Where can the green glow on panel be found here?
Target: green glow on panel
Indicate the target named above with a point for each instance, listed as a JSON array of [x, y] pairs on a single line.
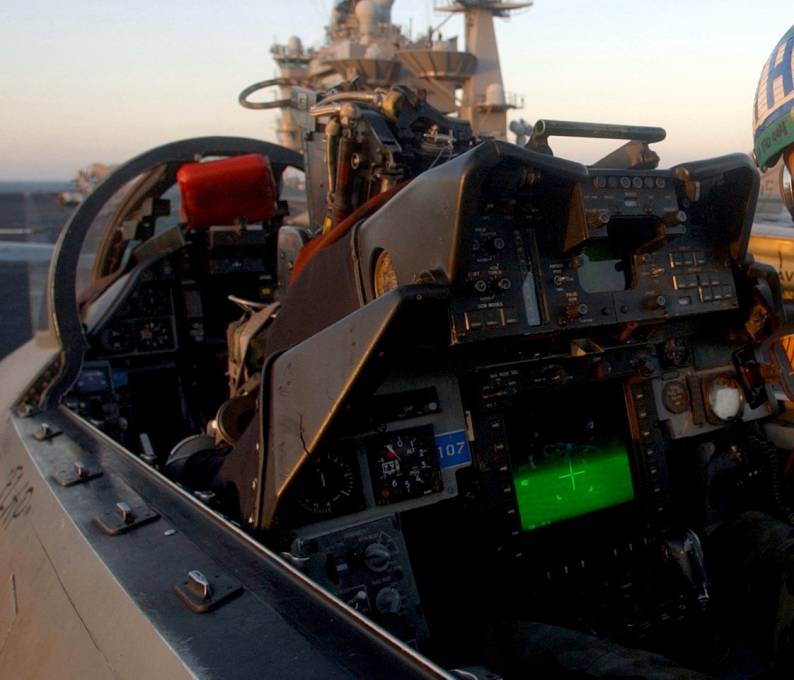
[[572, 480]]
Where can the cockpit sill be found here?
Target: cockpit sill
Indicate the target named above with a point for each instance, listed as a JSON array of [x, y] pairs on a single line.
[[267, 579]]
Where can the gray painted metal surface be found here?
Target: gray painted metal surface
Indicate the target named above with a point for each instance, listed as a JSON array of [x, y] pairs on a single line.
[[76, 602]]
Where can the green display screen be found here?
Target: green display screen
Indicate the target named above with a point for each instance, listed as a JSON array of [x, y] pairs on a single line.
[[571, 480], [569, 453]]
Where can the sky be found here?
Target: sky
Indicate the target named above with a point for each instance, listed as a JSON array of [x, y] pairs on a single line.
[[103, 80]]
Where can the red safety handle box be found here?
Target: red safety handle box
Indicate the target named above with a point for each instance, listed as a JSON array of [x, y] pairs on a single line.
[[225, 191]]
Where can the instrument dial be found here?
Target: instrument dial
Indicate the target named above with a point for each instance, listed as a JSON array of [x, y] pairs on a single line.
[[385, 275], [676, 396], [153, 335], [403, 464], [725, 398], [328, 485], [116, 338]]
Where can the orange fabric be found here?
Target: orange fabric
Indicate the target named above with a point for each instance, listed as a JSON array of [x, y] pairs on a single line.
[[308, 251]]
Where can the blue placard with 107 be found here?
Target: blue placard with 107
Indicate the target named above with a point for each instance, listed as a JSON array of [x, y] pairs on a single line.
[[453, 449]]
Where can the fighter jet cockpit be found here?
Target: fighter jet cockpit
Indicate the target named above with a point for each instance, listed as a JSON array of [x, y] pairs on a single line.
[[513, 409]]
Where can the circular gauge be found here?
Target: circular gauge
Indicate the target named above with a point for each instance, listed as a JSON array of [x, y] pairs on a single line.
[[153, 335], [326, 485], [725, 397], [385, 276], [116, 338], [404, 464], [151, 300], [675, 352], [676, 396]]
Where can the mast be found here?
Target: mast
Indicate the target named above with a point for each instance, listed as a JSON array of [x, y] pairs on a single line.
[[485, 103]]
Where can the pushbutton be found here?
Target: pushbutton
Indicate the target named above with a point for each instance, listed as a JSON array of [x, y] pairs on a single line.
[[511, 315], [705, 294], [493, 318], [474, 321]]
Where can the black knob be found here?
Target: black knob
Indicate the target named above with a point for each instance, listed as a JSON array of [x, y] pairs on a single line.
[[377, 557], [674, 217], [576, 310], [655, 301], [596, 220], [388, 600]]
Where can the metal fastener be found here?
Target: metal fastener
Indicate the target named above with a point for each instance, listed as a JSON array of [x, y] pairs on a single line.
[[125, 513], [199, 584]]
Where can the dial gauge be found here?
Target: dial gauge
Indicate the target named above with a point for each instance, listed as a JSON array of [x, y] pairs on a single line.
[[725, 398], [385, 274], [153, 335], [676, 396], [403, 464], [117, 338], [328, 485]]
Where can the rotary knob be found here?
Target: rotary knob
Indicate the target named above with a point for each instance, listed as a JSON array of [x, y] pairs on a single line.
[[654, 302], [674, 217], [388, 600], [598, 219], [575, 310], [377, 557]]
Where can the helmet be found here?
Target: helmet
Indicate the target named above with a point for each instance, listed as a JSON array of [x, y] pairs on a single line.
[[773, 114]]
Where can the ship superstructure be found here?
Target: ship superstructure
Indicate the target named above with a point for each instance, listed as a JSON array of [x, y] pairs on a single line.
[[363, 44]]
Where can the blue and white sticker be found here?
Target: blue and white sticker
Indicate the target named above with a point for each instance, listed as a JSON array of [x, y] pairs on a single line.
[[453, 449]]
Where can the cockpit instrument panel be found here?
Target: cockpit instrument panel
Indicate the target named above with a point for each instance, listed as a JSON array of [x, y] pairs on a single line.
[[402, 450], [618, 247]]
